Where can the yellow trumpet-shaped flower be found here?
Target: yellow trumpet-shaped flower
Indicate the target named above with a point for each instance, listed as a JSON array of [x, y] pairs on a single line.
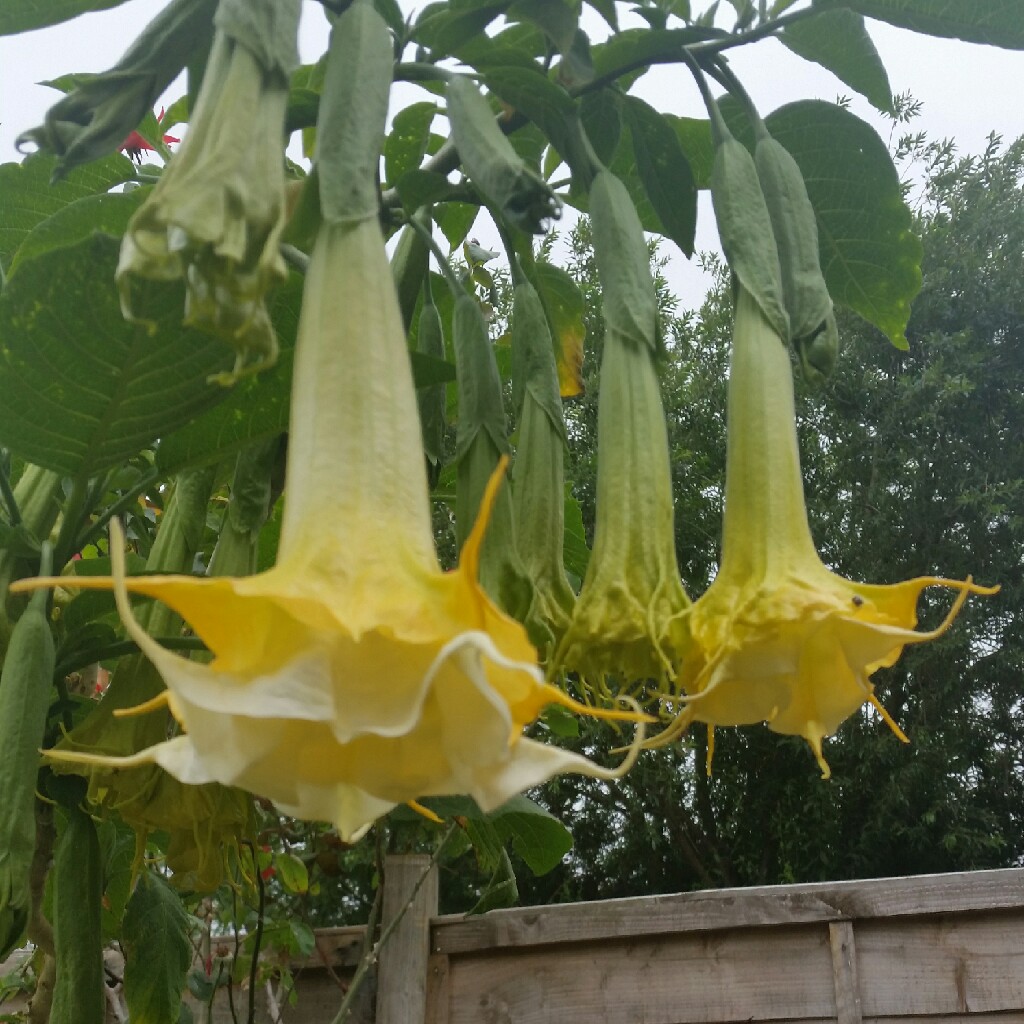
[[778, 637], [354, 675]]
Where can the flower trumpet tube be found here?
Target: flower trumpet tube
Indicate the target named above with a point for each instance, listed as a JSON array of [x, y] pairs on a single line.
[[628, 620], [778, 637], [355, 674], [216, 216]]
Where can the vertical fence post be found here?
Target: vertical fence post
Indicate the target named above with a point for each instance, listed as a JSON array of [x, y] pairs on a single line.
[[844, 972], [402, 973]]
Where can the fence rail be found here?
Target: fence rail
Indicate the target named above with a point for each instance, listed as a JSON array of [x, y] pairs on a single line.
[[930, 949]]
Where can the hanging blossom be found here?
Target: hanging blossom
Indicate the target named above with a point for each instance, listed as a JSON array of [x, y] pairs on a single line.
[[216, 216], [354, 675], [778, 637]]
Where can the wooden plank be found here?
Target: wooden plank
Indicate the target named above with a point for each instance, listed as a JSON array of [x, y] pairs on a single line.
[[680, 979], [438, 990], [954, 965], [402, 974], [731, 908], [844, 972]]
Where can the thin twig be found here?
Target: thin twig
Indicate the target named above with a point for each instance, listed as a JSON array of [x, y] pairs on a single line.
[[258, 937], [95, 529], [374, 954]]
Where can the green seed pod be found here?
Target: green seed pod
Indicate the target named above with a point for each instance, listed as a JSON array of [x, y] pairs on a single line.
[[745, 228], [79, 994], [492, 163], [431, 399], [353, 113], [25, 687], [623, 263], [808, 304]]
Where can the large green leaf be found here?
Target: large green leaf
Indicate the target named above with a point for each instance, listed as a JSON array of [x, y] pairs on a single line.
[[256, 408], [870, 255], [664, 171], [565, 308], [25, 15], [27, 197], [694, 136], [544, 102], [996, 22], [838, 40], [405, 146], [155, 937], [81, 389]]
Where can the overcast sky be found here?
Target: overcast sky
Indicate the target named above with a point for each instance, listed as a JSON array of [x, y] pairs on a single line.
[[966, 90]]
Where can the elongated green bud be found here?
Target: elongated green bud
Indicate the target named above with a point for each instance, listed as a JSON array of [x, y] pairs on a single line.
[[539, 487], [25, 688], [744, 224], [353, 112], [431, 399], [480, 442], [79, 994], [493, 165], [630, 303], [794, 224]]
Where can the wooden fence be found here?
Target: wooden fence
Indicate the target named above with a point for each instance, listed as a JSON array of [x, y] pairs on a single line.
[[923, 950], [919, 950]]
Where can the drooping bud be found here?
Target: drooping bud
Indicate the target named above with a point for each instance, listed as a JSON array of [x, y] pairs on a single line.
[[539, 487], [493, 165], [811, 318], [481, 441]]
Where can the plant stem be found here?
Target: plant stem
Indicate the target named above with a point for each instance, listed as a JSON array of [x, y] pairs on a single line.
[[94, 530]]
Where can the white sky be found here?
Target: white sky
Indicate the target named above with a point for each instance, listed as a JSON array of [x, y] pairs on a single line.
[[967, 90]]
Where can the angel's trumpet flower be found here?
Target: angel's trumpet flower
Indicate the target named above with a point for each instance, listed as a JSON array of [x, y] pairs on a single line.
[[355, 674], [778, 637]]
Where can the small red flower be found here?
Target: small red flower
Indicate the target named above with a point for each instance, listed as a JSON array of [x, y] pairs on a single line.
[[135, 143]]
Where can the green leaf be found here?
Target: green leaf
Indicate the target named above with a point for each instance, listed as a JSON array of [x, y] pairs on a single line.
[[996, 22], [501, 890], [664, 171], [419, 188], [599, 112], [442, 30], [292, 872], [26, 15], [155, 937], [107, 213], [870, 255], [455, 223], [27, 197], [539, 99], [575, 553], [632, 51], [565, 308], [558, 18], [694, 135], [255, 409], [536, 834], [81, 389], [839, 41], [407, 143]]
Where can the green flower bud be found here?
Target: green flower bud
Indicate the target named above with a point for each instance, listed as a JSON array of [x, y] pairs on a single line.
[[811, 319], [539, 487], [492, 163]]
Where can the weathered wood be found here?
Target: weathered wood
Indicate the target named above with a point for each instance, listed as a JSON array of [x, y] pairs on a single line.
[[955, 965], [402, 976], [844, 972], [731, 908], [438, 991], [679, 979]]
